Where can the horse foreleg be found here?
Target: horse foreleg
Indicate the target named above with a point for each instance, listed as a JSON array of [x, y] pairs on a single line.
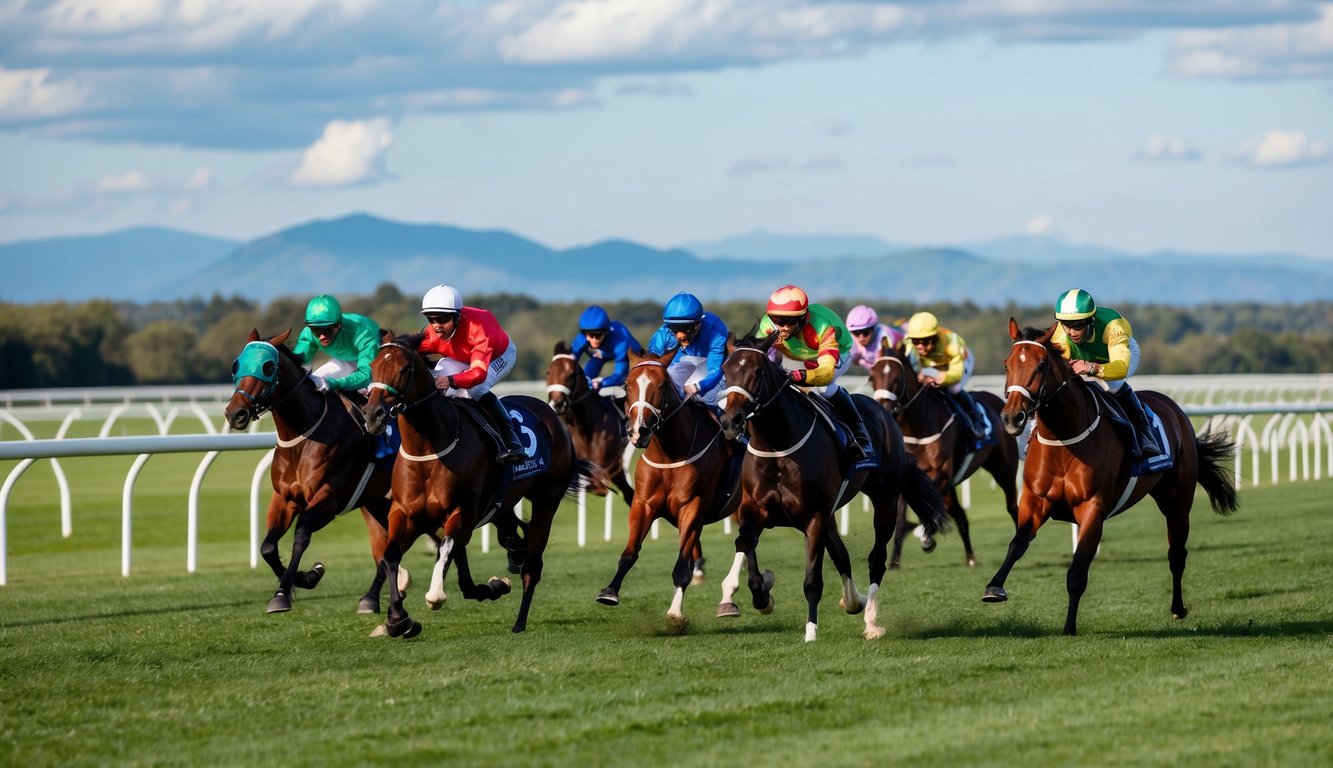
[[1076, 579], [814, 578], [955, 509], [494, 588], [727, 608], [374, 515], [397, 621], [900, 528], [683, 573], [435, 596], [1032, 515], [852, 601], [640, 518]]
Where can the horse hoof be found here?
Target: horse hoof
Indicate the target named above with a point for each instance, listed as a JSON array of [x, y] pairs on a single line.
[[380, 631], [1181, 613], [971, 562], [677, 624], [895, 565], [994, 595], [769, 608], [280, 603], [697, 578], [608, 596], [855, 609], [315, 575], [728, 610], [875, 633], [929, 545], [499, 587], [368, 606], [405, 627], [436, 604]]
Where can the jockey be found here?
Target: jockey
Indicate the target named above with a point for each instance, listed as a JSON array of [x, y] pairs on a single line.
[[475, 353], [815, 335], [1099, 343], [868, 333], [943, 360], [351, 341], [604, 341], [702, 338]]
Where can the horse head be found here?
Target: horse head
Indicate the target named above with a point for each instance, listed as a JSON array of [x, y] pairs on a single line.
[[566, 382], [258, 373], [892, 379], [399, 379], [753, 375], [650, 395], [1033, 372]]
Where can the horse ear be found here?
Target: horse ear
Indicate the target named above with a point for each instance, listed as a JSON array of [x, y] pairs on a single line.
[[669, 356], [254, 335], [731, 343], [1045, 337], [281, 338], [634, 357], [386, 335], [1014, 332], [884, 345]]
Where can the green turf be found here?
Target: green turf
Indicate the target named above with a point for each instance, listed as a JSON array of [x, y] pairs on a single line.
[[166, 667]]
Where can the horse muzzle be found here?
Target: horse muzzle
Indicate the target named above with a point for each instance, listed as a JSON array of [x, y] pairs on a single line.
[[1015, 421]]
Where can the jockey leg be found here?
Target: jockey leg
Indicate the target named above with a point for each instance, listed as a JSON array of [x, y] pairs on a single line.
[[1144, 443], [513, 447], [859, 446], [969, 407]]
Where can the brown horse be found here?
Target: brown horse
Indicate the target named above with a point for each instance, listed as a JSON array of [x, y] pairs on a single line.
[[447, 477], [592, 420], [323, 465], [1078, 467], [942, 445], [683, 475], [794, 476]]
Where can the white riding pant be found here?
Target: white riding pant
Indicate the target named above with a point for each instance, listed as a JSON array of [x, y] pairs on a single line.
[[499, 368], [689, 369]]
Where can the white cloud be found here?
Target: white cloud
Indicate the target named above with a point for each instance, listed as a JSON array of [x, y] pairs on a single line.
[[135, 181], [1282, 149], [1162, 147], [31, 93], [350, 152], [1041, 224], [202, 178], [1296, 49], [748, 166]]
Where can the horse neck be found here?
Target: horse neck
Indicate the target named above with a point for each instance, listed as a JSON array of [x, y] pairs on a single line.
[[587, 406], [678, 434], [296, 408], [784, 419], [1069, 409]]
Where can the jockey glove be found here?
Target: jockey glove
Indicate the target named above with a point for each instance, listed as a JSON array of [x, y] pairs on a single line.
[[320, 383], [798, 376]]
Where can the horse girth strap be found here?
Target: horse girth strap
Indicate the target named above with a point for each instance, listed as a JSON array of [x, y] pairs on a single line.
[[1079, 438], [301, 437]]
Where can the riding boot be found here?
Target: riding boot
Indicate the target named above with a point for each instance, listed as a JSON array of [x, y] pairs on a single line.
[[1144, 442], [513, 447], [859, 446], [969, 406]]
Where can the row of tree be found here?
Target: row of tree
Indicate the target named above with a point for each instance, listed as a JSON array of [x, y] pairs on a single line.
[[101, 343]]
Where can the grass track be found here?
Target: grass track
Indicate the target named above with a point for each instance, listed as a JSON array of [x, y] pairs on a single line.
[[170, 668]]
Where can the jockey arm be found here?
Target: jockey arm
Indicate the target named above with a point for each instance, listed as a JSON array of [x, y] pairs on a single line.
[[1117, 349], [619, 354], [367, 340]]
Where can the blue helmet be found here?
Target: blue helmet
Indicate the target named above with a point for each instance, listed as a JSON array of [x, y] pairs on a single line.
[[683, 308], [594, 318]]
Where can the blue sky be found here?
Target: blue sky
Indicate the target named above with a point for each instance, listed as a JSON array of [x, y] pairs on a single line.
[[1140, 124]]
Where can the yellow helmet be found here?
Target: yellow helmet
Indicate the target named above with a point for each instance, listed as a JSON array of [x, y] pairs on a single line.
[[923, 325]]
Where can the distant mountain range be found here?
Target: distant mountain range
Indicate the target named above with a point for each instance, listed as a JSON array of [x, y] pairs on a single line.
[[356, 253]]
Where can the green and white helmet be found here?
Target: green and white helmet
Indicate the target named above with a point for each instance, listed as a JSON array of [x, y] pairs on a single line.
[[323, 310], [1075, 304]]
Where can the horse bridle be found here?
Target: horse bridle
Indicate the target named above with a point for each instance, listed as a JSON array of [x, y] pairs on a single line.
[[411, 369], [753, 398], [894, 397], [1041, 397], [640, 404], [257, 405], [564, 390]]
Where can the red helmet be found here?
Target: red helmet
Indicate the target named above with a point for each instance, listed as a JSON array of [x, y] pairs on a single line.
[[788, 301]]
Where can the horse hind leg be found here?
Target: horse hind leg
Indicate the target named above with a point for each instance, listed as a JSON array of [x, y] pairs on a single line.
[[435, 595], [959, 515], [727, 608]]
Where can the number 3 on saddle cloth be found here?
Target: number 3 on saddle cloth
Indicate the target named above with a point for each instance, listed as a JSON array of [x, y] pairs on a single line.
[[536, 444]]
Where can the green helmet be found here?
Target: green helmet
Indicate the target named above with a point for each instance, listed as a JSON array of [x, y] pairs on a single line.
[[323, 310], [1074, 304]]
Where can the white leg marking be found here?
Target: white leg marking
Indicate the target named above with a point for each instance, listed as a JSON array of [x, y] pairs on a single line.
[[811, 629], [873, 629], [676, 611], [852, 599], [733, 580], [435, 597]]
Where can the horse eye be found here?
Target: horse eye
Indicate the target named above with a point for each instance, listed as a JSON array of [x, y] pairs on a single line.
[[235, 367], [269, 368]]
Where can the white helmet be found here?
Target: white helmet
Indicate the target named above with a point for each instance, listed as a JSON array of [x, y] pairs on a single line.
[[441, 299]]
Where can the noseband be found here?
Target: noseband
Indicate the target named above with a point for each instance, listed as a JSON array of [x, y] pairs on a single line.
[[258, 403], [752, 397], [642, 404], [400, 406], [567, 391], [895, 397]]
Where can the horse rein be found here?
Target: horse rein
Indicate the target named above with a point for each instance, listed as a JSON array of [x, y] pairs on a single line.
[[1044, 399], [399, 407], [642, 404], [259, 408], [751, 397]]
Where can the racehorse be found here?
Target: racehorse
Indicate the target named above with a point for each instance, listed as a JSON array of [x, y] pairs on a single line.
[[685, 475], [447, 477], [941, 444], [323, 465], [1078, 468], [592, 420], [794, 475]]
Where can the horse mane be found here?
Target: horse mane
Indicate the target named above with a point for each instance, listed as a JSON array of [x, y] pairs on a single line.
[[410, 340], [284, 351], [1035, 334]]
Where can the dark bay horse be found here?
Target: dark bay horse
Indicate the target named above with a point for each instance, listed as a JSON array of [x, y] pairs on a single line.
[[794, 476], [1078, 466], [684, 475], [323, 465], [447, 477], [942, 445], [592, 420]]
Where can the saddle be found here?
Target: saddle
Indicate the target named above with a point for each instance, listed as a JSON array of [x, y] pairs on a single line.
[[1115, 414], [842, 432]]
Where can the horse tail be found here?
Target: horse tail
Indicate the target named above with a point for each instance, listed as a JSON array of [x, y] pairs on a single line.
[[923, 496], [1214, 450], [586, 473]]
